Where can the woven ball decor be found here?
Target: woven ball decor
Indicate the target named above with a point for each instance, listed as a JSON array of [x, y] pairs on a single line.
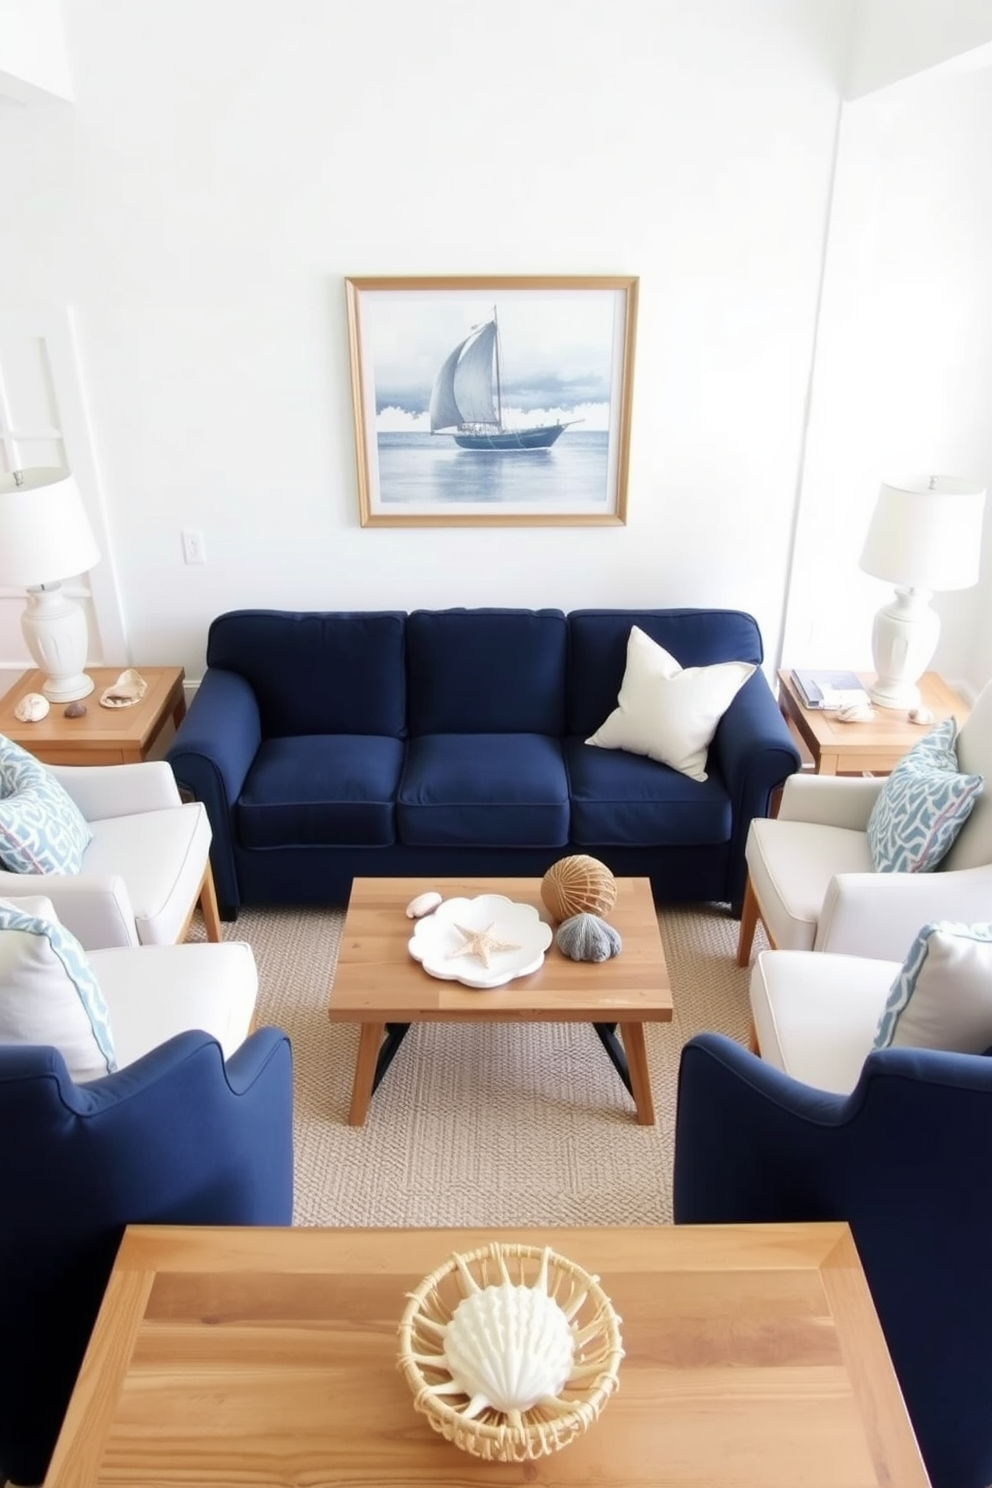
[[511, 1351], [578, 885]]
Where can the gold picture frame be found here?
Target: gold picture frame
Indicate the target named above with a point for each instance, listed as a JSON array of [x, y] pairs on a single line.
[[484, 402]]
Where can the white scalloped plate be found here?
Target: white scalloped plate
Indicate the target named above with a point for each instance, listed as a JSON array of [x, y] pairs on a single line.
[[436, 938]]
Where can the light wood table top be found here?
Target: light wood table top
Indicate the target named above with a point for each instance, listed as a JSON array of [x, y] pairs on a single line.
[[229, 1357], [103, 736], [873, 748], [377, 982]]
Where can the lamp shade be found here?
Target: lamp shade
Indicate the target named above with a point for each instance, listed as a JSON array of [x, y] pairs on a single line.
[[925, 533], [45, 535]]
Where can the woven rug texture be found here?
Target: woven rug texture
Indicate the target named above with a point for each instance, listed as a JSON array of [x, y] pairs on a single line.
[[489, 1124]]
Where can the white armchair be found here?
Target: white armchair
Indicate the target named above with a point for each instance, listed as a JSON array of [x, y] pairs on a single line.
[[146, 868], [810, 877]]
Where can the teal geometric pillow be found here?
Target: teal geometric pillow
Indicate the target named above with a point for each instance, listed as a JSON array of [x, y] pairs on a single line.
[[922, 806], [49, 993], [942, 997], [42, 829]]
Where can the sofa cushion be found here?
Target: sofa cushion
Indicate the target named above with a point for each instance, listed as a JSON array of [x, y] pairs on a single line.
[[336, 788], [42, 829], [49, 993], [483, 790], [666, 711], [942, 995], [627, 799], [486, 671], [317, 672], [922, 806], [597, 652]]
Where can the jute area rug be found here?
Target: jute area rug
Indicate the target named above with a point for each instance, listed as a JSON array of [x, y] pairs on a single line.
[[490, 1124]]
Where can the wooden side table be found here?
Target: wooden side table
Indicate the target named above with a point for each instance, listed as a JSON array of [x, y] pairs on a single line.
[[103, 736], [874, 748]]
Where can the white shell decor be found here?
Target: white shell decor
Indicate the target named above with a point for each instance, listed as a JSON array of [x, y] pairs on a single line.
[[32, 708], [129, 689], [423, 904], [481, 942], [510, 1350], [585, 937], [506, 1348]]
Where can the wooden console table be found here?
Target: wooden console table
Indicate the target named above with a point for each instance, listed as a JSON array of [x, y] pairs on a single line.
[[103, 736]]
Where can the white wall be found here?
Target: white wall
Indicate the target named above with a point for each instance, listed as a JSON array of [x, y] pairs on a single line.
[[34, 66], [903, 379], [229, 162], [895, 39]]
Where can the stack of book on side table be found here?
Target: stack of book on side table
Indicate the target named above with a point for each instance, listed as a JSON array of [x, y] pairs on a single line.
[[825, 689]]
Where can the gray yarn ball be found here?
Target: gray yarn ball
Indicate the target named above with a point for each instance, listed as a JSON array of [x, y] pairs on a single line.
[[585, 937]]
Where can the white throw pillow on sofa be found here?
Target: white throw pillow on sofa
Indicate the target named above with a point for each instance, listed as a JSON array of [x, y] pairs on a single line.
[[942, 997], [48, 991], [666, 711]]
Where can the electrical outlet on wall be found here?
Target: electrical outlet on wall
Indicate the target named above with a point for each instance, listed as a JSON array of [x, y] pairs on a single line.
[[194, 549]]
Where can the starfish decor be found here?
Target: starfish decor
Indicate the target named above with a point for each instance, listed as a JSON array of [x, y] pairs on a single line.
[[480, 943]]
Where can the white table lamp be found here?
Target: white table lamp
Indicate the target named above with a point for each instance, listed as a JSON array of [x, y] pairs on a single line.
[[925, 535], [45, 537]]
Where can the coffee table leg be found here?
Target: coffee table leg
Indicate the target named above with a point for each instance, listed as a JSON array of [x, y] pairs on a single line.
[[377, 1043], [637, 1063], [630, 1060], [370, 1039]]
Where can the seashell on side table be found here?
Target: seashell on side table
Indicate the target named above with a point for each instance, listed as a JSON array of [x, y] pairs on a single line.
[[511, 1351], [32, 708]]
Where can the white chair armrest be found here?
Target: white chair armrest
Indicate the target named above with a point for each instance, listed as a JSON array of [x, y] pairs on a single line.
[[95, 907], [880, 914], [102, 791], [830, 800]]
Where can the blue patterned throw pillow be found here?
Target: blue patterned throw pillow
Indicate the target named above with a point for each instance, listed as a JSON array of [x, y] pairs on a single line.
[[42, 829], [942, 997], [922, 806], [48, 991]]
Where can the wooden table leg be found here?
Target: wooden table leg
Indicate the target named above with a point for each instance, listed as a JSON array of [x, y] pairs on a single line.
[[369, 1043], [637, 1066]]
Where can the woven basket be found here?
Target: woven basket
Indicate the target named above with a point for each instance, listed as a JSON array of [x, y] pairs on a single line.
[[494, 1435]]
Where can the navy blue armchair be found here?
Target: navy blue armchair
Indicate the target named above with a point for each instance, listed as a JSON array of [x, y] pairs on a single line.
[[903, 1159], [178, 1137]]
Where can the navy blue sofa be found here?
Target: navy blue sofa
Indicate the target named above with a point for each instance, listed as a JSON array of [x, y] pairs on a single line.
[[328, 745]]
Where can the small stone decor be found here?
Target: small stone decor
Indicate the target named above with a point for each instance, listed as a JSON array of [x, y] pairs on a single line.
[[511, 1351], [576, 884], [74, 710], [585, 937]]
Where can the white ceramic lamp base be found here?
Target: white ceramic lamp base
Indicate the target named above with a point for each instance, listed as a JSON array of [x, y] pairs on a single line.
[[903, 640], [54, 627]]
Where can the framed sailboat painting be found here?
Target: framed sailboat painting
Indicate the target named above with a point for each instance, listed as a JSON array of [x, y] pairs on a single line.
[[487, 402]]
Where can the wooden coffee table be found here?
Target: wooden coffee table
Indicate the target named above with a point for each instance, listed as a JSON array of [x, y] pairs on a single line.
[[226, 1357], [379, 985]]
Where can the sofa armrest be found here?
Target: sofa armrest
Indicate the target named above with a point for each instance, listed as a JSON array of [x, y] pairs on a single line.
[[830, 800], [211, 755], [95, 907], [880, 914], [119, 790], [754, 752]]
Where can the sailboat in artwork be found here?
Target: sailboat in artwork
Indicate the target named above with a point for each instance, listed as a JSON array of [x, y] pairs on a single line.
[[467, 398]]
